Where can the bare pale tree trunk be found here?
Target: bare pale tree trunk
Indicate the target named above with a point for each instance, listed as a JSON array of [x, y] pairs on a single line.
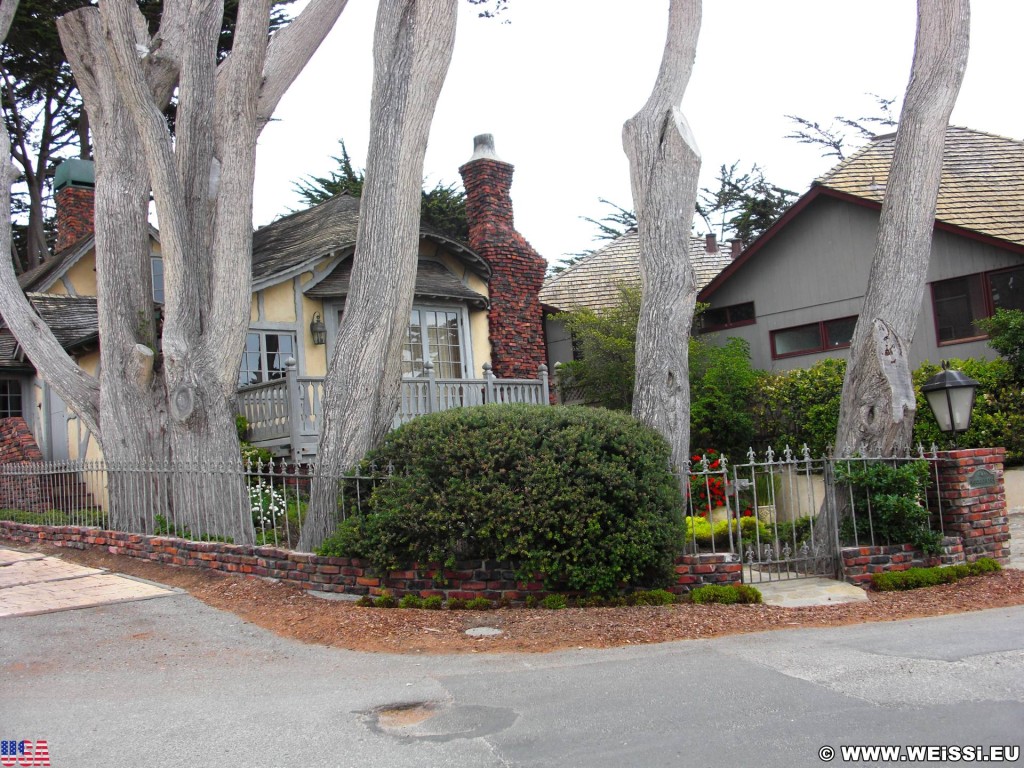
[[168, 396], [412, 49], [664, 166], [876, 415]]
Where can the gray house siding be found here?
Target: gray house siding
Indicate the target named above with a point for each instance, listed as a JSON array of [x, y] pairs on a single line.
[[816, 269]]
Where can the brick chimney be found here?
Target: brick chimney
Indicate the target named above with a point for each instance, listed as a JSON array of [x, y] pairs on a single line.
[[710, 243], [735, 247], [516, 319], [74, 190]]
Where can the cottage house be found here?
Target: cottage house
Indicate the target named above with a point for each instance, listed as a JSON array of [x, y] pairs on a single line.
[[794, 294], [475, 332]]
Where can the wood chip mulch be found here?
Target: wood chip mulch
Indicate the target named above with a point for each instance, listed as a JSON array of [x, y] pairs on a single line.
[[292, 613]]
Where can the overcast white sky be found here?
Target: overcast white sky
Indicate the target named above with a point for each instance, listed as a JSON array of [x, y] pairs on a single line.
[[556, 83]]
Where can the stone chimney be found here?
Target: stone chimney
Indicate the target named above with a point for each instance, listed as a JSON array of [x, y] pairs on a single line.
[[735, 248], [74, 191], [710, 243], [515, 318]]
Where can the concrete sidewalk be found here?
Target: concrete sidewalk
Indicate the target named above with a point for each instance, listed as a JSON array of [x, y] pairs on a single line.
[[32, 584]]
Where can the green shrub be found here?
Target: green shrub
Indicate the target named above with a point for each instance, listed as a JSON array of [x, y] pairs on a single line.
[[1005, 331], [701, 530], [432, 603], [888, 504], [479, 604], [346, 541], [411, 601], [554, 602], [365, 601], [654, 597], [799, 406], [89, 518], [915, 578], [725, 594], [456, 604], [582, 495], [530, 602], [385, 600]]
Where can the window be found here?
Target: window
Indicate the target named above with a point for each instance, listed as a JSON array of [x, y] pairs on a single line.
[[813, 337], [10, 398], [264, 356], [434, 334], [157, 271], [720, 318], [961, 301]]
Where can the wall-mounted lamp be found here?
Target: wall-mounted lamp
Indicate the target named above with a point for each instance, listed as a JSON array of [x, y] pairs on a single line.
[[318, 330]]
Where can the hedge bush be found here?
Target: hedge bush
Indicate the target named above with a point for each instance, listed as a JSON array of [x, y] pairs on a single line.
[[582, 495], [914, 578], [727, 594]]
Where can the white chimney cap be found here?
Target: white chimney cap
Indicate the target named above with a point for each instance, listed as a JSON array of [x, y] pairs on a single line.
[[483, 148]]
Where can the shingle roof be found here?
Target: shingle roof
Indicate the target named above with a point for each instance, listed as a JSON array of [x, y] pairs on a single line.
[[73, 320], [595, 280], [322, 230], [982, 187], [433, 281]]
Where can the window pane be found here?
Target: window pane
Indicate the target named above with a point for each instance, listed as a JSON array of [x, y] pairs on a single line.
[[249, 373], [839, 333], [158, 280], [958, 304], [741, 313], [804, 338], [279, 349], [10, 398], [412, 351], [265, 356], [1007, 289]]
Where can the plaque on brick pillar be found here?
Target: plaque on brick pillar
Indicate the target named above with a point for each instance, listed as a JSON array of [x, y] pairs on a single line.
[[982, 478]]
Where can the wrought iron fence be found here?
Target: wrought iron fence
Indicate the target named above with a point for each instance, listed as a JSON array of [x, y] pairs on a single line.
[[786, 515], [252, 502]]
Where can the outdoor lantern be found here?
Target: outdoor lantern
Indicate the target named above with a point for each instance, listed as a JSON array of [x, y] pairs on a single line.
[[950, 395], [318, 329]]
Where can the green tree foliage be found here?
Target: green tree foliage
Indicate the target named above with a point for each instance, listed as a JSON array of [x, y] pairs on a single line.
[[722, 384], [799, 407], [845, 134], [744, 205], [610, 227], [604, 345], [442, 207], [581, 495], [1005, 331]]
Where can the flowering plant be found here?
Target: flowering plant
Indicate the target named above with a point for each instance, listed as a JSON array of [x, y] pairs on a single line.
[[707, 487]]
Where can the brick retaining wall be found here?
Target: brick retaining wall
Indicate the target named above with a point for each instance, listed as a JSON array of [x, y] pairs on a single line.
[[860, 563], [493, 581]]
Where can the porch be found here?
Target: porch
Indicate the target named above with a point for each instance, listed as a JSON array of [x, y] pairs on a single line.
[[284, 414]]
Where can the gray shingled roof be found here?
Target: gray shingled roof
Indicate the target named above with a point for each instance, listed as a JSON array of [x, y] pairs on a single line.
[[325, 229], [982, 186], [73, 320], [594, 282], [433, 281]]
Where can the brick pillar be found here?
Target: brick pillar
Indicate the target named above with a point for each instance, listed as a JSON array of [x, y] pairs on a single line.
[[974, 501], [516, 320]]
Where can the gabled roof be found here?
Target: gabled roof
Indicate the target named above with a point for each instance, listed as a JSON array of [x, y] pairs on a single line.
[[982, 187], [433, 281], [981, 192], [296, 240], [594, 281], [73, 320]]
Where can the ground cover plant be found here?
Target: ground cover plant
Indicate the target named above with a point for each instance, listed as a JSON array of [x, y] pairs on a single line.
[[582, 495], [915, 578], [725, 594]]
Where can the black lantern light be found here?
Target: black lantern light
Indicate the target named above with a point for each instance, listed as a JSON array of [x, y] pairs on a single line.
[[950, 395], [318, 330]]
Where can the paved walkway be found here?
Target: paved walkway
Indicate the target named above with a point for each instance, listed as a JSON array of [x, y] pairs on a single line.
[[32, 584]]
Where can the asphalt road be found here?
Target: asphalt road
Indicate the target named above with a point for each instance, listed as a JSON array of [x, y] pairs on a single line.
[[172, 682]]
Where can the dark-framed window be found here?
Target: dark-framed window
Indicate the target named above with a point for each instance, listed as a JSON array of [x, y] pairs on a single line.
[[156, 265], [960, 302], [10, 398], [264, 356], [813, 337], [721, 318]]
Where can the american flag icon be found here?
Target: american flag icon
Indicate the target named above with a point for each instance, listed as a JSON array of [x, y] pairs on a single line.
[[22, 752]]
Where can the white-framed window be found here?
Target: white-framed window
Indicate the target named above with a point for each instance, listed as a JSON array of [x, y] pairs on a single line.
[[10, 398], [265, 355], [437, 334], [157, 271]]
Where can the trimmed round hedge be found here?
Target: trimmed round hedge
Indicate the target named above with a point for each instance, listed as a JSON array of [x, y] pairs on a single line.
[[582, 495]]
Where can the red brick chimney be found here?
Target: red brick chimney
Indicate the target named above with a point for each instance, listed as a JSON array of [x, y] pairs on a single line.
[[516, 318], [710, 243], [735, 247], [74, 191]]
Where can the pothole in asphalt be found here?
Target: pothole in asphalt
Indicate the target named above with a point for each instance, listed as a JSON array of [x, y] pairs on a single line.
[[432, 721]]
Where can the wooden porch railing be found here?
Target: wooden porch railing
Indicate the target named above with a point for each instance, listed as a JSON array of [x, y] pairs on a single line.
[[284, 415]]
